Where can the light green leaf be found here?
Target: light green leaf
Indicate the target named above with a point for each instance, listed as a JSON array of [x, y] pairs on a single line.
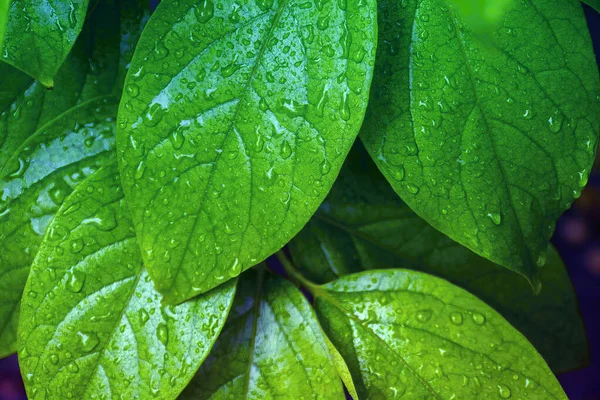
[[489, 141], [341, 368], [40, 35], [92, 324], [411, 335], [363, 225], [35, 182], [271, 348], [47, 134], [4, 10], [234, 123], [595, 4]]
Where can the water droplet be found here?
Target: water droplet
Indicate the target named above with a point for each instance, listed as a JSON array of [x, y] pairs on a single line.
[[478, 319], [286, 150], [504, 391], [264, 4], [139, 172], [236, 268], [204, 10], [456, 318], [412, 189], [54, 359], [176, 138], [104, 220], [398, 173], [345, 108], [132, 90], [541, 260], [325, 167], [162, 332], [292, 108], [555, 122], [76, 245], [73, 368], [424, 315], [88, 341], [495, 217], [75, 281], [144, 316]]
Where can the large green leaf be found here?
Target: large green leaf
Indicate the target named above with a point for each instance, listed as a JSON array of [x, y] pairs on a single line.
[[488, 140], [271, 347], [96, 66], [50, 140], [406, 334], [34, 184], [92, 325], [233, 126], [363, 225], [40, 35]]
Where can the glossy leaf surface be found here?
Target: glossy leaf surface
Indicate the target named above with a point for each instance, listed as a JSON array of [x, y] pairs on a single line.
[[92, 324], [271, 348], [235, 121], [4, 10], [595, 4], [488, 139], [40, 35], [405, 334], [35, 182], [66, 137], [363, 225]]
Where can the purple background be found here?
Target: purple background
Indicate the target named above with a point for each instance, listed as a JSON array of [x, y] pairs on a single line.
[[577, 238]]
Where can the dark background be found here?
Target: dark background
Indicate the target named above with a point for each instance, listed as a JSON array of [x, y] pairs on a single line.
[[577, 239]]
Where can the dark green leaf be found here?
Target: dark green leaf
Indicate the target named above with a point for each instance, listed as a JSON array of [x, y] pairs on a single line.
[[488, 140], [92, 325], [35, 182], [40, 35], [405, 334], [4, 10], [363, 225], [96, 66], [47, 137], [235, 121], [271, 348]]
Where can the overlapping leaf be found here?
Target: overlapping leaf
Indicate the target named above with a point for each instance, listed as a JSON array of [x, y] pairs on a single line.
[[236, 119], [405, 334], [50, 140], [363, 225], [40, 35], [92, 325], [271, 348], [595, 4], [488, 139]]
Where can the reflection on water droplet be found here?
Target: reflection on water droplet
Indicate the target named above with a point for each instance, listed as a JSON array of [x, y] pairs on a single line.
[[456, 318], [236, 268], [478, 319], [424, 315], [75, 281], [162, 332], [504, 391], [204, 10], [495, 217], [286, 150], [88, 341]]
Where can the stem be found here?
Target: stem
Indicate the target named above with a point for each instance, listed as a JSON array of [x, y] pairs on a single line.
[[288, 266]]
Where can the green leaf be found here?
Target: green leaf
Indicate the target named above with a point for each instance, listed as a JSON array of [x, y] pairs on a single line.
[[47, 137], [411, 335], [271, 348], [235, 121], [40, 35], [595, 4], [488, 140], [92, 324], [363, 225], [35, 182], [4, 10], [96, 66]]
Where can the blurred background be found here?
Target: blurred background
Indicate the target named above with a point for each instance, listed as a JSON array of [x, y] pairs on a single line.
[[577, 239]]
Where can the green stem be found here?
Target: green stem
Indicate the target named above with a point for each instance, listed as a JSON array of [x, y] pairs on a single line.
[[288, 266]]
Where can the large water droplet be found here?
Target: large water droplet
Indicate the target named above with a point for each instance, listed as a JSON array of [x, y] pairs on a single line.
[[478, 319], [88, 341], [75, 281], [504, 391], [204, 10]]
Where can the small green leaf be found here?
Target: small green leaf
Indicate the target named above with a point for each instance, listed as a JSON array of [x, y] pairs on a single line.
[[4, 10], [40, 35], [271, 348], [411, 335], [35, 182], [60, 136], [363, 225], [92, 324], [341, 368], [488, 140], [235, 121]]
